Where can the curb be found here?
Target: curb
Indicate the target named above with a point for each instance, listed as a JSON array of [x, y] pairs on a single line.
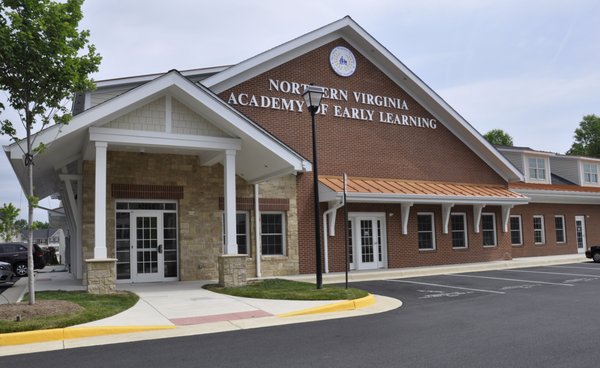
[[28, 337], [334, 307]]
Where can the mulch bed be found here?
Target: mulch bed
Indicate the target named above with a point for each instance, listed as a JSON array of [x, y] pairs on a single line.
[[41, 308]]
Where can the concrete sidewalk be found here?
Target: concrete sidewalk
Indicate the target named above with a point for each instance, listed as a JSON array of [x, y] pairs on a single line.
[[184, 308]]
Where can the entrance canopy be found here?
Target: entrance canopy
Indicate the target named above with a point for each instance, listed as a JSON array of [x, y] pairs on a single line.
[[411, 192]]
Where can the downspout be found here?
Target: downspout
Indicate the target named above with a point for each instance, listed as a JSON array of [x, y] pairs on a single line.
[[331, 211], [257, 230]]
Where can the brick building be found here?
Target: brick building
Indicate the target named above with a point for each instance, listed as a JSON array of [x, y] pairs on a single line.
[[178, 176]]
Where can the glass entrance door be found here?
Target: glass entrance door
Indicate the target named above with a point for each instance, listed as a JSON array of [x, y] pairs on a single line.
[[148, 259], [368, 242], [580, 234], [146, 242]]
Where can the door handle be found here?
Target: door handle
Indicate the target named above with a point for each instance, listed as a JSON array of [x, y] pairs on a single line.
[[160, 248]]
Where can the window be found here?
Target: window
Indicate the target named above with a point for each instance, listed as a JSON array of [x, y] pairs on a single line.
[[272, 233], [241, 228], [488, 229], [425, 230], [538, 230], [537, 169], [458, 222], [516, 235], [590, 173], [559, 225]]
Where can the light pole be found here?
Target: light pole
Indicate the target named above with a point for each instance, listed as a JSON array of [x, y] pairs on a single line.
[[312, 96]]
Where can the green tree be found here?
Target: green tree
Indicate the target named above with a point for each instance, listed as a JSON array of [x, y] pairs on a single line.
[[8, 218], [43, 61], [587, 138], [498, 137], [38, 225]]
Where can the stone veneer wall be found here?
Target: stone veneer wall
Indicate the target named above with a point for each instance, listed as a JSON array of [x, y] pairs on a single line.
[[200, 220]]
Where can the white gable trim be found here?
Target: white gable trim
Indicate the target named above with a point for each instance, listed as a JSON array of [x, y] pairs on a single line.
[[181, 88], [370, 48]]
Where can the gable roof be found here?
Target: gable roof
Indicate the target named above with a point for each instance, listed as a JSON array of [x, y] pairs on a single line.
[[66, 143], [347, 29]]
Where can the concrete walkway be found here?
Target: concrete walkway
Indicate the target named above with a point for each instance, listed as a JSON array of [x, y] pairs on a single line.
[[184, 308]]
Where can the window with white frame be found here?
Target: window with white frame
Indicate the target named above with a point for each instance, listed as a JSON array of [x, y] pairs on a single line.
[[425, 231], [488, 229], [590, 173], [241, 228], [272, 233], [539, 236], [516, 230], [537, 168], [458, 222], [559, 226]]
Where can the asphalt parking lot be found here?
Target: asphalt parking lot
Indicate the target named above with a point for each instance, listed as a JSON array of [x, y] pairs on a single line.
[[425, 291]]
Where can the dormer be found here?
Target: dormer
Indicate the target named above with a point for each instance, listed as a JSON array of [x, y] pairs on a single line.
[[535, 165]]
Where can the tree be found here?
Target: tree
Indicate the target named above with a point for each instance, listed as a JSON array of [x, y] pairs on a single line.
[[8, 218], [587, 138], [498, 137], [43, 62], [38, 225]]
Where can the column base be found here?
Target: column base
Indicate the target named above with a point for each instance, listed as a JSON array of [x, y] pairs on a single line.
[[101, 276], [232, 270]]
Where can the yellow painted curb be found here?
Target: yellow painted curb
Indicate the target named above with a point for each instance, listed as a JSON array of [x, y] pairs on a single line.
[[29, 337], [334, 307]]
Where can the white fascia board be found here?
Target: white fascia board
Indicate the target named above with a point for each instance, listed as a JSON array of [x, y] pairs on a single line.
[[242, 126], [161, 139], [104, 112], [276, 56], [398, 72], [171, 82], [562, 197], [424, 199]]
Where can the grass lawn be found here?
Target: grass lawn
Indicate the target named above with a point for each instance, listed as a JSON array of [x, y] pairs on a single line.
[[57, 309], [289, 290]]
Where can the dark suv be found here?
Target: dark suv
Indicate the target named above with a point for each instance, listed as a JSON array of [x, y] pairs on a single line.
[[594, 253], [16, 255]]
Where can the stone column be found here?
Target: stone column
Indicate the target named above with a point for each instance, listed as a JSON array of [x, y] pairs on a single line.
[[101, 276], [232, 270]]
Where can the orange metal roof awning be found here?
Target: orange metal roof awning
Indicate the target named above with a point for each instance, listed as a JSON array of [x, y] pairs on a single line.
[[397, 190]]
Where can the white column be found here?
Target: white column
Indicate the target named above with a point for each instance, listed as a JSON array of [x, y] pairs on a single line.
[[257, 229], [230, 205], [100, 203]]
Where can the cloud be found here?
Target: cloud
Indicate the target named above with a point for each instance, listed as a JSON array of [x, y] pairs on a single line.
[[541, 113]]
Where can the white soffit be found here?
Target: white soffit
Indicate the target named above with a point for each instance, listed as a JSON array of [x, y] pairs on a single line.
[[370, 48]]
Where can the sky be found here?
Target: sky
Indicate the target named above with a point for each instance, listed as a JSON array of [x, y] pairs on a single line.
[[531, 68]]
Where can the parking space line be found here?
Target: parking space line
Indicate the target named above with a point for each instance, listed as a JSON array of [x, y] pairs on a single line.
[[446, 286], [580, 268], [517, 280], [555, 273]]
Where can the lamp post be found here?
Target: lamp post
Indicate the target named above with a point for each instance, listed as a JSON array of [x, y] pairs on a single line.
[[312, 96]]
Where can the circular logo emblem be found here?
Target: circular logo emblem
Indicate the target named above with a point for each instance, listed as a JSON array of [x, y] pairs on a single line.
[[342, 61]]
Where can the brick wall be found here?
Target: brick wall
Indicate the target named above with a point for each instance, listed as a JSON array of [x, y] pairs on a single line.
[[529, 249], [362, 148]]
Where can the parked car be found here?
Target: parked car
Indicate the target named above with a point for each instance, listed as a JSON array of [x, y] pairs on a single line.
[[6, 272], [593, 252], [16, 255]]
